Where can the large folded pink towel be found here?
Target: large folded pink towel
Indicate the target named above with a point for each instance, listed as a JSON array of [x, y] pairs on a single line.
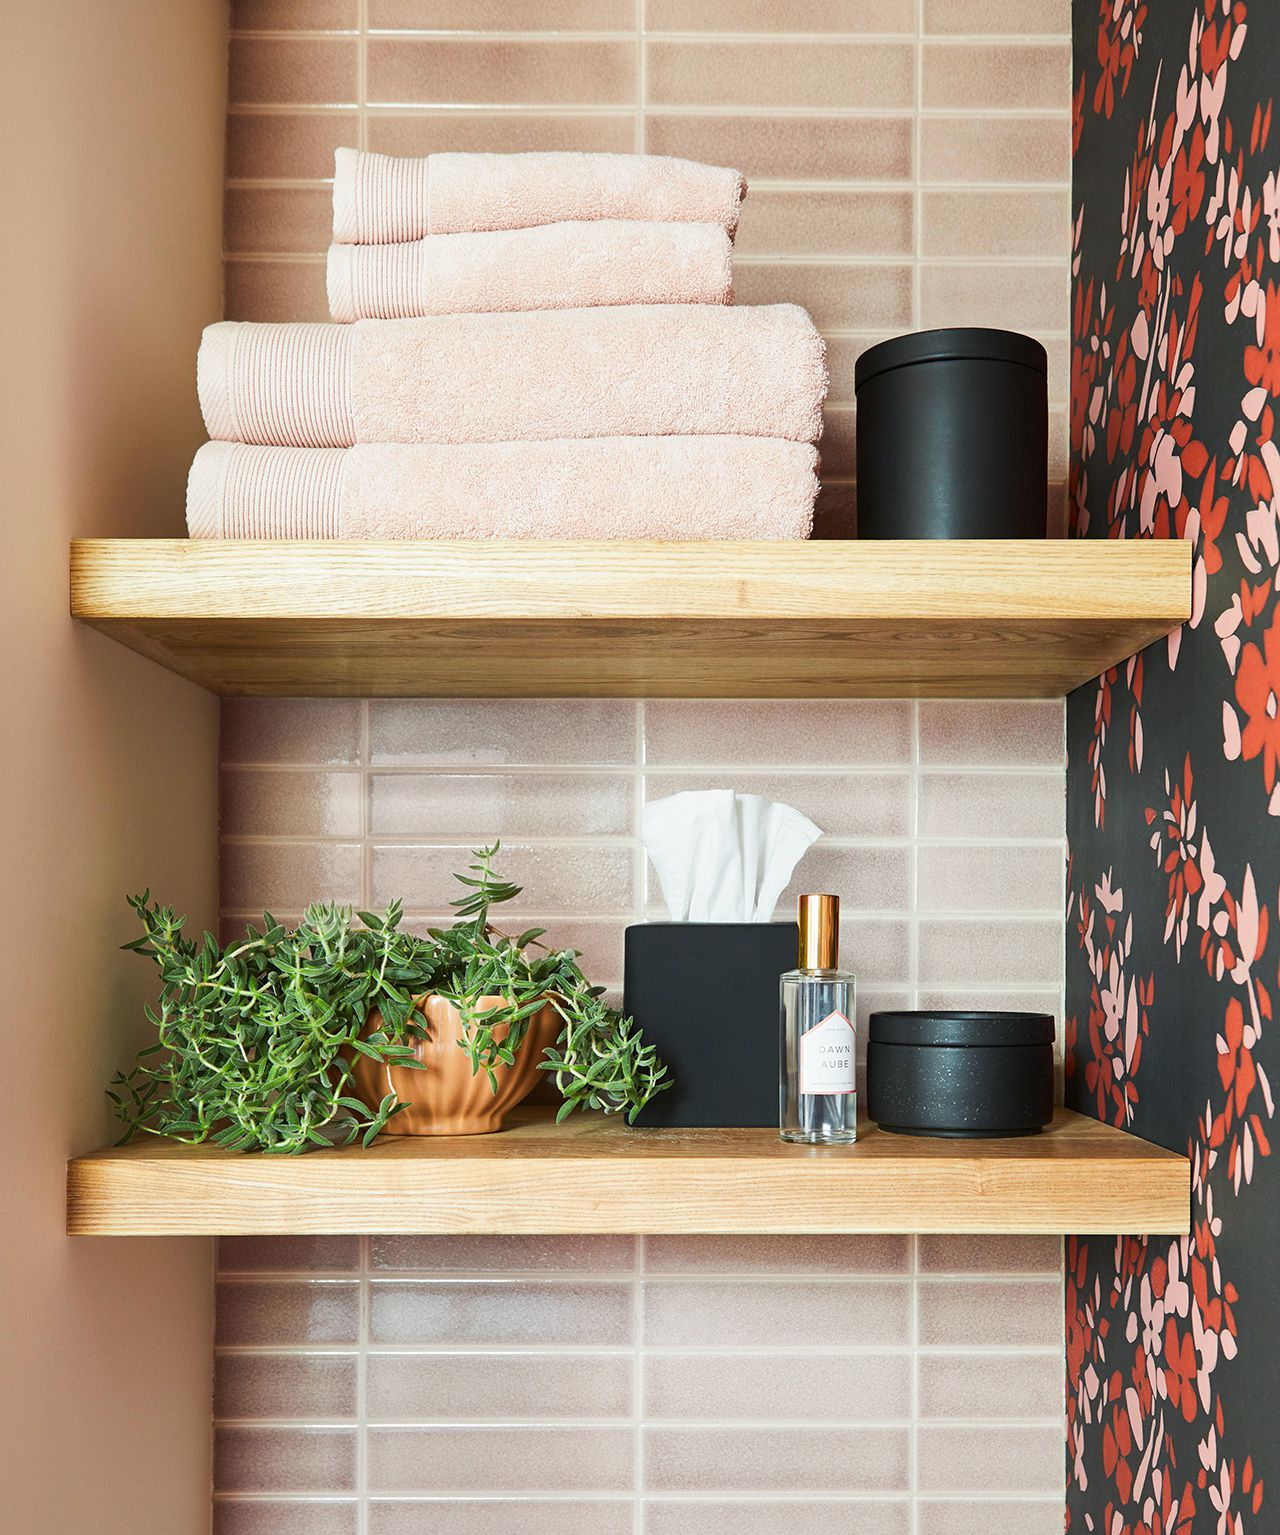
[[382, 199], [629, 371], [556, 266], [595, 488]]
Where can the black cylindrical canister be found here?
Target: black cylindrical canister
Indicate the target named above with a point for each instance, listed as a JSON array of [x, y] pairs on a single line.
[[960, 1074], [953, 435]]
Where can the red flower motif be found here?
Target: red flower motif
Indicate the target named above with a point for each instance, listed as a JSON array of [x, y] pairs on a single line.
[[1262, 363], [1258, 694], [1180, 1370]]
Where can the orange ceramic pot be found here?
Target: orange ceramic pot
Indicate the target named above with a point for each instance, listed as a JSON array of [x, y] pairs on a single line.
[[446, 1099]]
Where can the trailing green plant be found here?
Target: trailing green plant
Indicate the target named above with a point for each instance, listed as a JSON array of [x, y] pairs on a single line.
[[255, 1042]]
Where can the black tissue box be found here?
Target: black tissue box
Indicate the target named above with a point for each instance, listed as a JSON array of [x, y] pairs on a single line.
[[706, 996]]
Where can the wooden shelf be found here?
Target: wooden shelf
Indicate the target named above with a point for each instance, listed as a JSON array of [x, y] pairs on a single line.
[[1029, 619], [593, 1175]]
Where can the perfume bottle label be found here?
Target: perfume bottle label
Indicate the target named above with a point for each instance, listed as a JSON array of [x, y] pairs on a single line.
[[828, 1063]]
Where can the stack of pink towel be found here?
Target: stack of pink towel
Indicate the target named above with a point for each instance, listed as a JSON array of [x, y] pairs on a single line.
[[542, 347]]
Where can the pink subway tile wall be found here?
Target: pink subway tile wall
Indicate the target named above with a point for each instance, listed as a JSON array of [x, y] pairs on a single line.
[[652, 1384], [909, 160]]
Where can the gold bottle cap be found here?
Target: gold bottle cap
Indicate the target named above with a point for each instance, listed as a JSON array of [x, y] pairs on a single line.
[[819, 932]]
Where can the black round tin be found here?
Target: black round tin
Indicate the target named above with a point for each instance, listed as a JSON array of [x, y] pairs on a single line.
[[953, 435], [960, 1074]]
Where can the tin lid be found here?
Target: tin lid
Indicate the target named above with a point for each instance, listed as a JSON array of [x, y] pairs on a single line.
[[954, 343], [934, 1027]]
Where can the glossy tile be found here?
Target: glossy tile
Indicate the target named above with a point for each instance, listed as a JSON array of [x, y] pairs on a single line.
[[991, 224], [503, 1254], [281, 876], [498, 1460], [1030, 298], [788, 148], [751, 733], [293, 144], [841, 297], [999, 878], [843, 805], [248, 1255], [1017, 733], [965, 1254], [305, 15], [976, 1460], [825, 223], [1007, 1517], [292, 71], [285, 1516], [1034, 76], [455, 71], [275, 803], [568, 877], [471, 1388], [277, 220], [868, 878], [501, 732], [1014, 952], [803, 1313], [998, 17], [875, 949], [503, 15], [776, 1516], [990, 1386], [266, 1313], [989, 1312], [811, 1460], [992, 999], [323, 731], [837, 448], [426, 133], [284, 1459], [835, 514], [776, 1387], [976, 149], [768, 16], [994, 805], [526, 1312], [293, 1386], [472, 805], [797, 1255], [842, 355], [768, 74], [498, 1516], [274, 290]]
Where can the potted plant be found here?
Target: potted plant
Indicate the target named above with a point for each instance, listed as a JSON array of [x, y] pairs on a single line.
[[296, 1038]]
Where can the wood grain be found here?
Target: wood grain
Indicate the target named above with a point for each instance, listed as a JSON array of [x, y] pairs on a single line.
[[593, 1175], [1029, 618]]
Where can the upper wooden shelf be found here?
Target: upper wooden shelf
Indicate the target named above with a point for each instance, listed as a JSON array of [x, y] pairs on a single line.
[[596, 1175], [1018, 619]]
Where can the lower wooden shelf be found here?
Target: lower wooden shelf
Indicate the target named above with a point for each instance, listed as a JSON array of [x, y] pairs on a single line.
[[596, 1175]]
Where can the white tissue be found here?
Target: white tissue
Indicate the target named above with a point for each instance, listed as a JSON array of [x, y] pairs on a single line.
[[721, 856]]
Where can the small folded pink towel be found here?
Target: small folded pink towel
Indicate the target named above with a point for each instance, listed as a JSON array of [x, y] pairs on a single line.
[[556, 266], [383, 199], [668, 488], [629, 371]]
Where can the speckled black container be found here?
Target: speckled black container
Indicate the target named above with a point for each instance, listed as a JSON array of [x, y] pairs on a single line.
[[961, 1075]]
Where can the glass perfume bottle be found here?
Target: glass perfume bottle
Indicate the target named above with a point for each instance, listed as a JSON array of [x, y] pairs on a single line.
[[818, 1091]]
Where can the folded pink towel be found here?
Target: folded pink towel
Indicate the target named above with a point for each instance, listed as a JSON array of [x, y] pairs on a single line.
[[382, 199], [556, 266], [597, 488], [629, 371]]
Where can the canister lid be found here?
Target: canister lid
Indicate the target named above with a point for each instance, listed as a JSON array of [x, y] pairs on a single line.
[[954, 343], [935, 1027]]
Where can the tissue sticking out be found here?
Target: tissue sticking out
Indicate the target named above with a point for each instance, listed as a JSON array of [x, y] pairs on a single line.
[[723, 856]]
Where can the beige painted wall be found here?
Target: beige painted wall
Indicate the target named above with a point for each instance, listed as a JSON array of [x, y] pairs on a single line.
[[109, 266]]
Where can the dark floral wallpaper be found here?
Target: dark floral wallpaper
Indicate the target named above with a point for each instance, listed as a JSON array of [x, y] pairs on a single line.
[[1173, 1346]]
